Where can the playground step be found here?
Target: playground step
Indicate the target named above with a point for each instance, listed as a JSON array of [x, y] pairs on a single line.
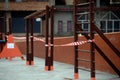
[[88, 51], [83, 4], [84, 69], [85, 60]]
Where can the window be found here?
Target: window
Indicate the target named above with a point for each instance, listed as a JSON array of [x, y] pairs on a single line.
[[103, 26], [110, 26], [117, 26], [60, 2], [60, 26], [1, 0], [20, 28], [104, 2], [69, 26], [86, 27]]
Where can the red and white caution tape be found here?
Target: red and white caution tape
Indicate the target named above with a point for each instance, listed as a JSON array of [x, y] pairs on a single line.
[[75, 43], [78, 43], [69, 44], [49, 48], [19, 37], [38, 39], [35, 38], [16, 37]]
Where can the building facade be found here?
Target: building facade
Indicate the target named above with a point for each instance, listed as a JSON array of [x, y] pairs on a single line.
[[107, 16], [16, 10]]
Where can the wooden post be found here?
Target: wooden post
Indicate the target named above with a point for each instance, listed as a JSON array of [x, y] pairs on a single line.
[[47, 62], [27, 41], [92, 37], [75, 40], [52, 36], [32, 46]]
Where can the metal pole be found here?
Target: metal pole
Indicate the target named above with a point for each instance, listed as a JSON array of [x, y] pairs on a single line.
[[5, 26], [6, 18], [10, 25]]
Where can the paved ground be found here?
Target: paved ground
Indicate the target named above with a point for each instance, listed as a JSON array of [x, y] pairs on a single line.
[[17, 70]]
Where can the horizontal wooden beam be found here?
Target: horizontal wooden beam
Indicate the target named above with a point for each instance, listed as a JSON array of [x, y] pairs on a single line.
[[36, 14]]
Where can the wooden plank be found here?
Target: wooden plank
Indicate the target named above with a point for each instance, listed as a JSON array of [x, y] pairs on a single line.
[[107, 41], [36, 14]]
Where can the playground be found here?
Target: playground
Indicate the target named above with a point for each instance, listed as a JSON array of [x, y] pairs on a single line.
[[63, 63], [87, 55]]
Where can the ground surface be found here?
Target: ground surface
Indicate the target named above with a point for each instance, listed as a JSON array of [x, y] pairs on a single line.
[[17, 70]]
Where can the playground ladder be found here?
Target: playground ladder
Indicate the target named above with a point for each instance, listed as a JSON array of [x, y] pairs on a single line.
[[93, 28], [77, 31]]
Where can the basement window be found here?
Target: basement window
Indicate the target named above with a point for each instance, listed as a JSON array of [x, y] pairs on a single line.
[[60, 2]]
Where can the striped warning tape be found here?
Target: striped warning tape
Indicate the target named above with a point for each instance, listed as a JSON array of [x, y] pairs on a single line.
[[39, 39], [72, 43], [69, 44], [35, 38], [19, 37]]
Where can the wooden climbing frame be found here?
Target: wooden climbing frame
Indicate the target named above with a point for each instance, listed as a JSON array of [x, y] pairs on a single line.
[[77, 31], [93, 29], [48, 13]]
